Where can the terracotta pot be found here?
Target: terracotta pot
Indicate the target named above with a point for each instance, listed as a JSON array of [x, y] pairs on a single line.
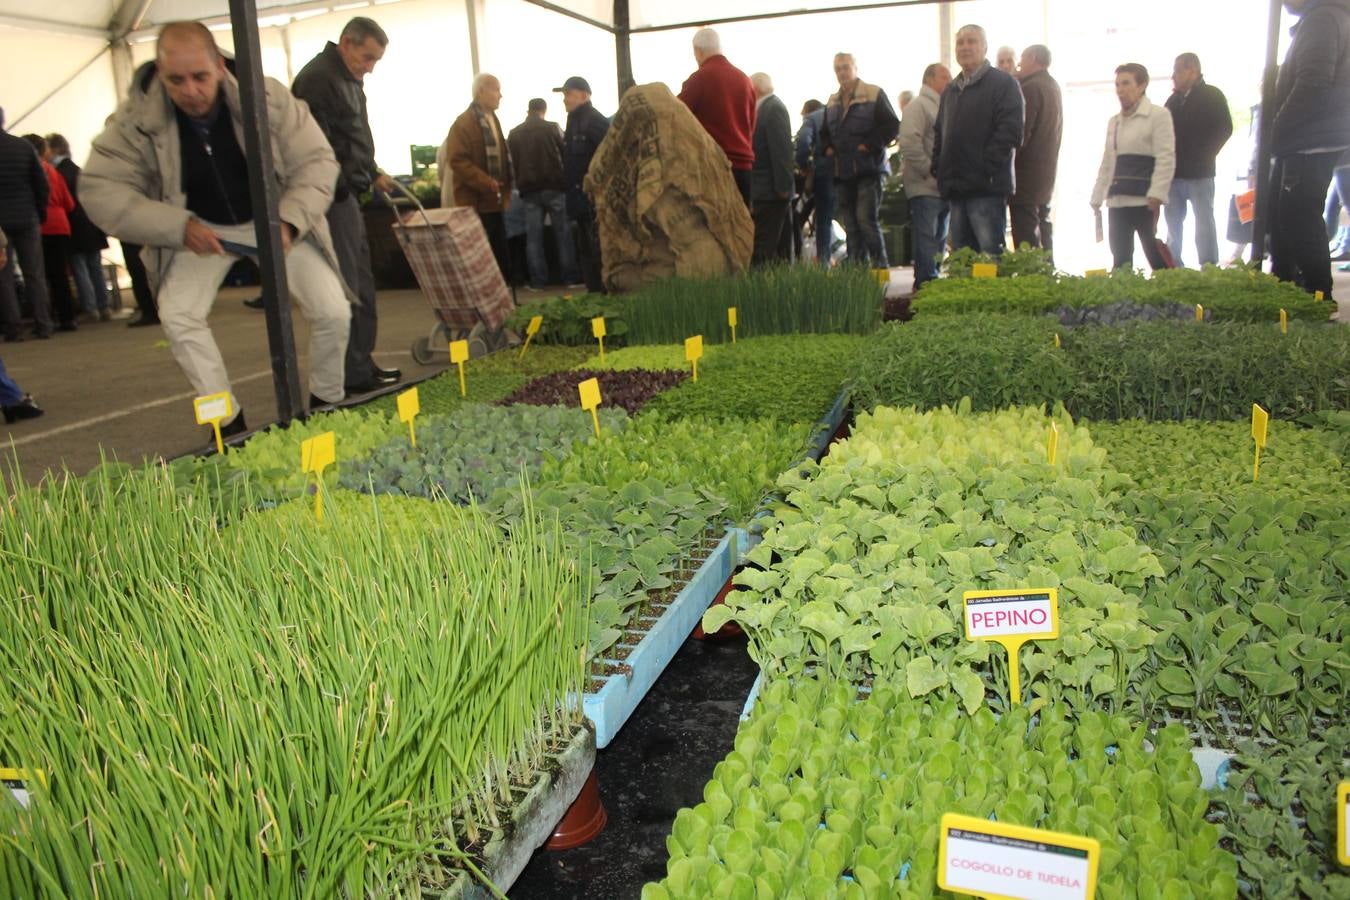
[[727, 631], [583, 821]]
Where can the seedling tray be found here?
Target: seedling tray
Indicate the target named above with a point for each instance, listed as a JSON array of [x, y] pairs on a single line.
[[533, 819], [610, 706]]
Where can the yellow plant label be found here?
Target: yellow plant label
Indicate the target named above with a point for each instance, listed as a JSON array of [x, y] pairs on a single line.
[[409, 405], [1284, 322], [984, 270], [1260, 424], [459, 352], [1199, 313], [883, 276], [213, 408], [1011, 862], [536, 322], [318, 453], [598, 327], [16, 782], [1058, 342], [1343, 823], [1012, 618], [1095, 273], [1318, 296], [590, 393], [1052, 443], [693, 352], [731, 316]]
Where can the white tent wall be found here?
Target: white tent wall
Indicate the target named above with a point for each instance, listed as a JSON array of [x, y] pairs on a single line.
[[33, 64]]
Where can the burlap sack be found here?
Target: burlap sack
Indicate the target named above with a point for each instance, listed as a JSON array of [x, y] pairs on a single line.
[[665, 201]]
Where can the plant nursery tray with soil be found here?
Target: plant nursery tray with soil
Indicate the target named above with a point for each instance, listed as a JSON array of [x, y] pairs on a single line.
[[610, 703], [531, 822], [628, 389]]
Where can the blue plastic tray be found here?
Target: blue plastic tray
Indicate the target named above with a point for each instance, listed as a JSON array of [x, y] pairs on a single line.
[[610, 706]]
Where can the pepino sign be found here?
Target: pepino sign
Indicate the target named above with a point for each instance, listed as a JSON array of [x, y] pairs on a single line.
[[1011, 862], [1025, 614]]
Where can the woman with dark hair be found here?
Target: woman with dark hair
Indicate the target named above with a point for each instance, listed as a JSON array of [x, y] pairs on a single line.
[[56, 238], [1136, 172]]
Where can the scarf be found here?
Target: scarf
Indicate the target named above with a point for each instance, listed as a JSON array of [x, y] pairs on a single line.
[[496, 153]]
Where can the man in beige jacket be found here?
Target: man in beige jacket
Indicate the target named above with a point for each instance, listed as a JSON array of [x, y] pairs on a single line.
[[169, 172]]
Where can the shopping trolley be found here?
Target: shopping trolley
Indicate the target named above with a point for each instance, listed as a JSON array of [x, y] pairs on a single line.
[[449, 254]]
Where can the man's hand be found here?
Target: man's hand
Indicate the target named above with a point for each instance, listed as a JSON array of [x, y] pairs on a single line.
[[1154, 204], [201, 240], [385, 183], [496, 187], [829, 151], [862, 148]]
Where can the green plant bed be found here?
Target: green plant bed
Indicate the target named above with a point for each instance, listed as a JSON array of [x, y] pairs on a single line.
[[440, 395], [541, 360], [567, 319], [828, 796]]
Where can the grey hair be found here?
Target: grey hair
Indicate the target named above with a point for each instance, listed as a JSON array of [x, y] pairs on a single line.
[[906, 96], [361, 29], [984, 38], [1011, 51], [707, 40], [1040, 53], [480, 81], [761, 80]]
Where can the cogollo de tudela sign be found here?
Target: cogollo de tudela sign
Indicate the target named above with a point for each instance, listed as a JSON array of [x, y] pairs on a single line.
[[1012, 862]]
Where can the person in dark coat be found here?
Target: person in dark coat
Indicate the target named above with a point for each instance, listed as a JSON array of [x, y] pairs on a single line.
[[56, 239], [979, 128], [537, 150], [586, 128], [859, 124], [771, 184], [1310, 130], [1203, 124], [1037, 160], [817, 172], [24, 193], [333, 84], [87, 240]]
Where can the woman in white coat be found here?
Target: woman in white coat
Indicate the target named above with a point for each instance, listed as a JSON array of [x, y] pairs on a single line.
[[1136, 172]]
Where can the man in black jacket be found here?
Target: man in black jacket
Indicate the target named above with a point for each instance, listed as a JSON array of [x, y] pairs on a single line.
[[23, 207], [771, 178], [536, 147], [1309, 132], [332, 83], [979, 126], [1203, 124], [586, 128]]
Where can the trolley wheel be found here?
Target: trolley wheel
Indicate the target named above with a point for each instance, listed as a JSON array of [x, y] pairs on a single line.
[[422, 353]]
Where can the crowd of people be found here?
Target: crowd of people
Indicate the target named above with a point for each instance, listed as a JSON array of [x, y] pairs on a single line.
[[978, 151]]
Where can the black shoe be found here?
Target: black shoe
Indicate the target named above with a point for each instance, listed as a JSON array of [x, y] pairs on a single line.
[[389, 375], [234, 426], [255, 303], [369, 386], [14, 338], [67, 326], [24, 409], [142, 321], [317, 404], [42, 335]]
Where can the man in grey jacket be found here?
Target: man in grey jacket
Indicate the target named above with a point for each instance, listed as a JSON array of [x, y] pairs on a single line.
[[169, 173], [927, 210], [771, 180]]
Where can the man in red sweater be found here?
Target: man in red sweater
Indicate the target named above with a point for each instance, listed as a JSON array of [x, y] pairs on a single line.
[[722, 98]]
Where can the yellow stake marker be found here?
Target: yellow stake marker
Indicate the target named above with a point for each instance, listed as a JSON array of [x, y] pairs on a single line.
[[1318, 296], [984, 270], [409, 405], [1260, 425], [317, 454], [693, 351], [530, 331], [214, 409], [1012, 618], [1096, 273], [590, 400], [14, 780], [999, 861], [459, 355], [1284, 322], [1342, 823], [1199, 313], [883, 276], [731, 320], [598, 329], [1052, 443], [1058, 343]]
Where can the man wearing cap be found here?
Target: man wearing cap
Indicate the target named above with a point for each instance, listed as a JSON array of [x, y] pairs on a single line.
[[537, 148], [333, 84], [586, 128]]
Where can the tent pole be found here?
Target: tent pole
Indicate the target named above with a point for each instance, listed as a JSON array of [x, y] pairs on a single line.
[[1261, 177], [946, 24], [471, 12], [623, 46], [262, 187]]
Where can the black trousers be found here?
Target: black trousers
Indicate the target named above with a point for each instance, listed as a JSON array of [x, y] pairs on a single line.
[[1123, 223], [1298, 237], [1031, 225], [140, 281], [494, 224], [742, 177], [56, 259], [773, 238], [25, 248], [348, 229], [588, 251]]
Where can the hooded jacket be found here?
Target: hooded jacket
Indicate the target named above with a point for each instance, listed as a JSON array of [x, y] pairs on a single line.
[[133, 183], [1312, 96]]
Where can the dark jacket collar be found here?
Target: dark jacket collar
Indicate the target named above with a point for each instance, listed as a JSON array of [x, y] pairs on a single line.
[[336, 63]]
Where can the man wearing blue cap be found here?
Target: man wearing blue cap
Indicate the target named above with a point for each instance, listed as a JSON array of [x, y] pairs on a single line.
[[586, 128]]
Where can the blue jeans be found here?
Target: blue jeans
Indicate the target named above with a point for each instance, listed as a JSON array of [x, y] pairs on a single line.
[[979, 223], [90, 283], [554, 203], [824, 216], [9, 391], [929, 216], [1200, 193], [859, 205], [1337, 198]]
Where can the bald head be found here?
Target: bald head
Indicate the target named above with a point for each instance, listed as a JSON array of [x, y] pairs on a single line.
[[177, 36], [190, 67], [763, 84]]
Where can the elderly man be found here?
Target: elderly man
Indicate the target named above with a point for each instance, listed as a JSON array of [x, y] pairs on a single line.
[[771, 181], [1006, 60], [722, 98], [978, 129], [586, 128], [859, 124], [1203, 124], [24, 191], [481, 164], [169, 172], [1037, 161], [927, 210], [333, 84]]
